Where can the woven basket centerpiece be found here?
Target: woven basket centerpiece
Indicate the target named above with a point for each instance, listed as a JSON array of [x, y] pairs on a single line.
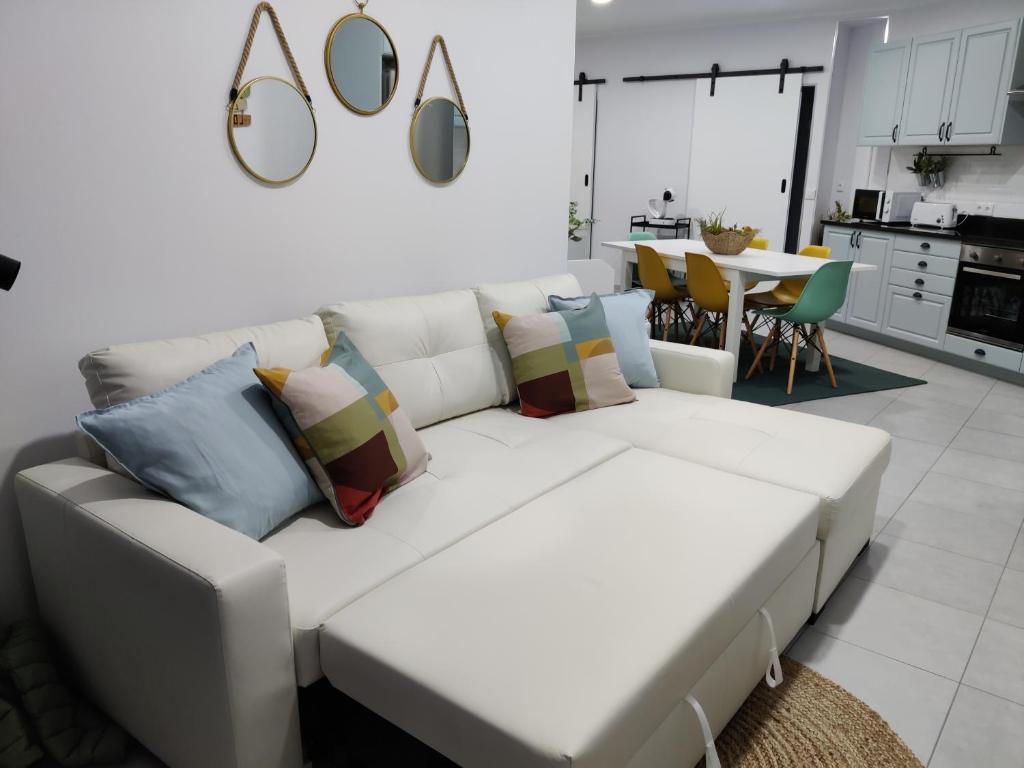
[[728, 243]]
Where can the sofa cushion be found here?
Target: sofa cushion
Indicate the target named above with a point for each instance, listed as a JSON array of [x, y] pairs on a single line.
[[527, 297], [430, 350], [213, 444], [483, 466], [564, 361], [349, 429], [123, 372], [612, 594], [808, 453]]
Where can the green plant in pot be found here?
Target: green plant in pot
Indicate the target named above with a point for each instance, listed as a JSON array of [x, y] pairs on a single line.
[[929, 169], [838, 213], [576, 223], [723, 240]]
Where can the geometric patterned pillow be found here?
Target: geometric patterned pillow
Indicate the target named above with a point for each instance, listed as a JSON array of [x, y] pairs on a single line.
[[564, 361], [347, 426]]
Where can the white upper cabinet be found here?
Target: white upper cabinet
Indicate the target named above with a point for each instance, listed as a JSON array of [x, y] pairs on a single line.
[[979, 101], [950, 88], [884, 81], [929, 88]]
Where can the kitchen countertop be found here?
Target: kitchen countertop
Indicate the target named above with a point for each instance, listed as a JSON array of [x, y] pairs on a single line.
[[899, 229]]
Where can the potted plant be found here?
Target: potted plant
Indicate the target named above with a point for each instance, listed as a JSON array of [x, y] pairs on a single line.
[[723, 240], [576, 223], [838, 213], [929, 169]]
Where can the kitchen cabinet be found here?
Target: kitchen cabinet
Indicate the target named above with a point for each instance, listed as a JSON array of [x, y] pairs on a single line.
[[929, 88], [979, 102], [917, 316], [840, 240], [954, 88], [885, 78], [1001, 357], [865, 298]]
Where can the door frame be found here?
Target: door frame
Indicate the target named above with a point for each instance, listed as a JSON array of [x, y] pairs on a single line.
[[800, 156], [579, 82]]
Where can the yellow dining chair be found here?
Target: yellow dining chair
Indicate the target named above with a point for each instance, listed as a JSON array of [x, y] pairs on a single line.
[[788, 291], [711, 298], [671, 301]]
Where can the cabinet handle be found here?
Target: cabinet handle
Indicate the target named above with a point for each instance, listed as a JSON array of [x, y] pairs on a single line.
[[923, 264], [919, 281], [894, 132], [853, 236], [926, 246], [941, 126], [979, 352], [949, 127], [860, 237], [917, 295]]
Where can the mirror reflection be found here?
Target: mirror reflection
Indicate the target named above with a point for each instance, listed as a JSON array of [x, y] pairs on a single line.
[[272, 130], [439, 138], [361, 64]]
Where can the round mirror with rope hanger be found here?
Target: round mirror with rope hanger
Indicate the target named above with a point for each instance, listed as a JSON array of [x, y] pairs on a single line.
[[271, 124], [361, 62], [439, 131]]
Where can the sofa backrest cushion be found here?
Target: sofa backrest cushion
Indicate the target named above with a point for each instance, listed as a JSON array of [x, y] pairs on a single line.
[[430, 350], [126, 371], [528, 297]]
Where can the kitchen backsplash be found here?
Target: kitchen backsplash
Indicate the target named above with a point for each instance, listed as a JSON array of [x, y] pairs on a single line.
[[969, 180]]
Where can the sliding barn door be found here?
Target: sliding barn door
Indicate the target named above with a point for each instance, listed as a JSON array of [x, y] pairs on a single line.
[[741, 155], [581, 186]]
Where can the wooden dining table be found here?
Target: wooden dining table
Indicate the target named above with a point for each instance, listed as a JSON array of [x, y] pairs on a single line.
[[748, 266]]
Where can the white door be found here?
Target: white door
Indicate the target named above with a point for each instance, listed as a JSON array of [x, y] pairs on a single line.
[[741, 154], [581, 185], [885, 78], [929, 86], [983, 74]]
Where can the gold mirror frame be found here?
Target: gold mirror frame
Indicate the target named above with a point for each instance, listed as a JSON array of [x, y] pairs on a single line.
[[231, 134], [412, 140], [330, 74]]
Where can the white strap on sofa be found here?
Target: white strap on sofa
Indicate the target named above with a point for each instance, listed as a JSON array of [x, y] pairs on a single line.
[[773, 677], [710, 753]]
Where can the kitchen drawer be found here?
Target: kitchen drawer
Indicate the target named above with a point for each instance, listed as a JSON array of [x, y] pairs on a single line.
[[917, 316], [935, 246], [984, 353], [920, 262], [921, 280]]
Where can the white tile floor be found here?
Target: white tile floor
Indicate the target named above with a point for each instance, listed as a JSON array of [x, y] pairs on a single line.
[[928, 628]]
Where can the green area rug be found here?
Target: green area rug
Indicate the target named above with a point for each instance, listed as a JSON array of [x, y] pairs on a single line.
[[769, 387]]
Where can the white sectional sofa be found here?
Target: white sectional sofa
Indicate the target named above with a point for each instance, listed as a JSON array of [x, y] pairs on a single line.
[[548, 593]]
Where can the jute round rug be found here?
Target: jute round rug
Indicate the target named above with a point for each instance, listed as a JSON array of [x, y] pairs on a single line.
[[809, 721]]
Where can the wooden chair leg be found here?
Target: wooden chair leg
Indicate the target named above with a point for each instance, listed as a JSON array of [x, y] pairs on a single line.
[[667, 309], [700, 327], [757, 358], [825, 354], [777, 328], [721, 332], [792, 357], [750, 338]]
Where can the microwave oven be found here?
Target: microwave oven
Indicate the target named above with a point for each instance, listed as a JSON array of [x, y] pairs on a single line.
[[883, 205]]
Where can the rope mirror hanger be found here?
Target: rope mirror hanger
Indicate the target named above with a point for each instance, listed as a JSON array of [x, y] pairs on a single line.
[[271, 125], [439, 137]]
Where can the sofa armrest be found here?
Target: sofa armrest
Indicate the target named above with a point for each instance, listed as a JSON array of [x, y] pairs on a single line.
[[697, 370], [175, 625]]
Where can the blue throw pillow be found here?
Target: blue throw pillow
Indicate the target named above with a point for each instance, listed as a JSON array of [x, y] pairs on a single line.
[[626, 315], [213, 444]]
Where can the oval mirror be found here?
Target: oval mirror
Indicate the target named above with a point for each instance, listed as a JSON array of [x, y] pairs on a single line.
[[272, 130], [439, 139], [362, 64]]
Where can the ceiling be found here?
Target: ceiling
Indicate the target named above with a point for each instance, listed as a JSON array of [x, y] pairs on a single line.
[[624, 15]]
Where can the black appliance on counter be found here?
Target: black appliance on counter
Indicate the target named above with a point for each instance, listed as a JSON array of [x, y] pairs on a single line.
[[988, 300]]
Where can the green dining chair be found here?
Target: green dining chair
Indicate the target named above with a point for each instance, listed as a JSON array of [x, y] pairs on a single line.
[[635, 236], [824, 293]]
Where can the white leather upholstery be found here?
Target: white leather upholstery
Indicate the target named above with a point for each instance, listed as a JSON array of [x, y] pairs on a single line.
[[123, 372], [171, 623], [697, 370], [528, 297], [565, 632], [840, 463], [430, 350], [484, 466]]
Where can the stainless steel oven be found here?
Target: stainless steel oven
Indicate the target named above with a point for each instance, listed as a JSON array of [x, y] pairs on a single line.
[[988, 300]]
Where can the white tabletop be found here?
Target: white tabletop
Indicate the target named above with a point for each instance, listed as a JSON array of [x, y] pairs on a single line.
[[773, 264]]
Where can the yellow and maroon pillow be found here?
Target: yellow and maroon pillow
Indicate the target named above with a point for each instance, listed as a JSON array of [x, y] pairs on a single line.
[[349, 429], [564, 361]]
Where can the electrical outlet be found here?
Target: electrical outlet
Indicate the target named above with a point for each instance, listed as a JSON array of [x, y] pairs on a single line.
[[980, 209]]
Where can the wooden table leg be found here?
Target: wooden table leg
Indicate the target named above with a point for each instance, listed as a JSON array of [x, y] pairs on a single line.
[[737, 280]]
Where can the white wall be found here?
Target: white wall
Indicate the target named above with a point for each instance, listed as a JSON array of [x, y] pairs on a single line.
[[119, 193], [643, 134]]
